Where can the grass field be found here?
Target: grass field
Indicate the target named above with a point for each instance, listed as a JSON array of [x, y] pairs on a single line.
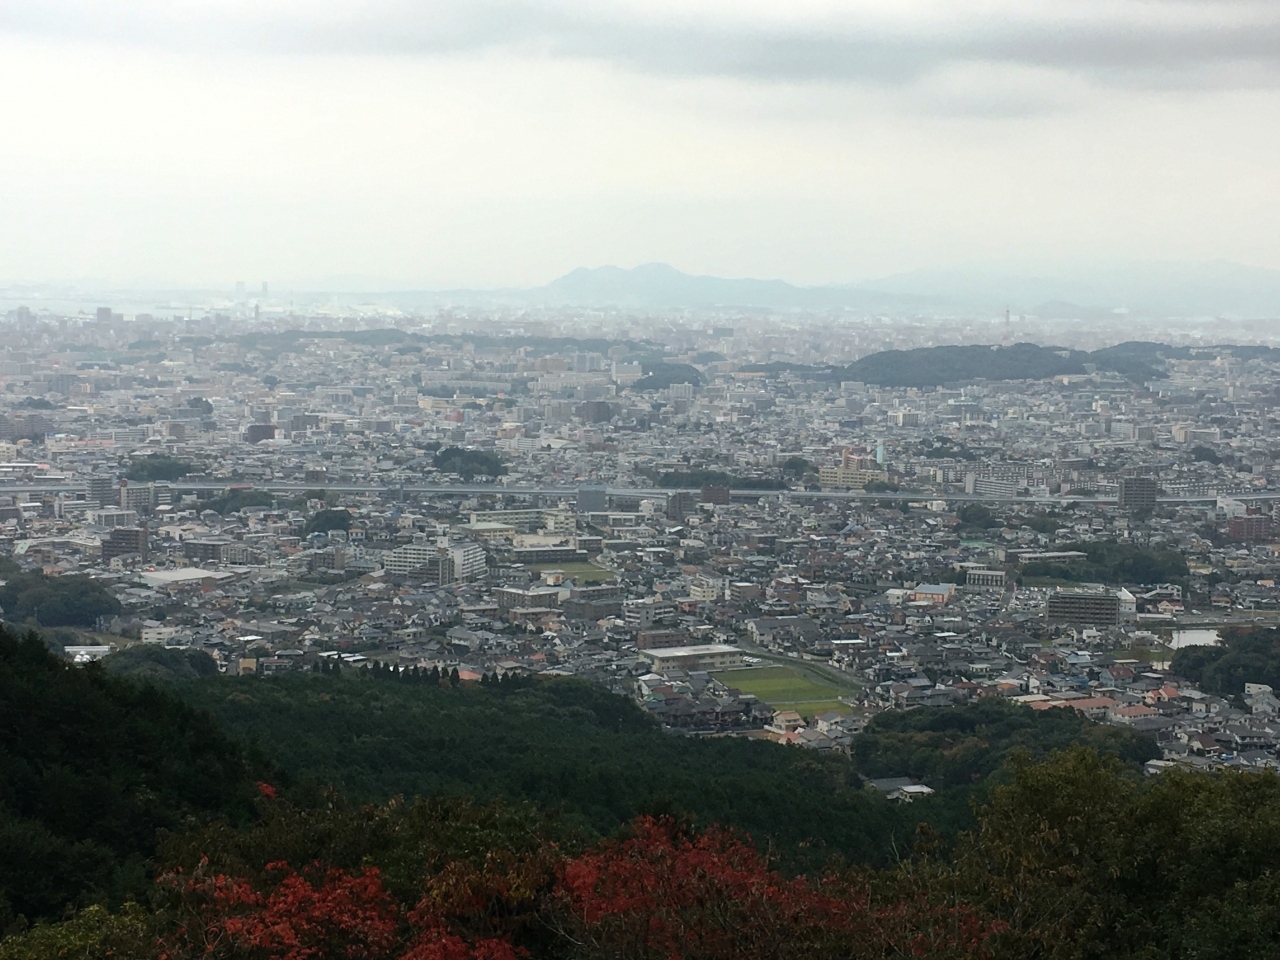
[[580, 573], [784, 689]]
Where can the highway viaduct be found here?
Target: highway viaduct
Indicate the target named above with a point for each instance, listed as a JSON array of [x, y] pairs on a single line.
[[52, 487]]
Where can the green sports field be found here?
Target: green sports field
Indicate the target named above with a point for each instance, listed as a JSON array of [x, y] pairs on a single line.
[[784, 689]]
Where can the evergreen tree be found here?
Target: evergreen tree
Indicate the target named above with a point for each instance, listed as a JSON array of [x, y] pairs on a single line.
[[91, 766]]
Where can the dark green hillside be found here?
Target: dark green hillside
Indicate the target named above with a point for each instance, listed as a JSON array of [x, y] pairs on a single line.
[[1136, 359], [91, 766], [598, 759], [934, 366], [964, 746], [661, 374], [563, 745]]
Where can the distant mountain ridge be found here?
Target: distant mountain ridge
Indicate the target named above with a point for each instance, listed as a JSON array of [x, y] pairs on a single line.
[[661, 285], [1099, 292], [1151, 289]]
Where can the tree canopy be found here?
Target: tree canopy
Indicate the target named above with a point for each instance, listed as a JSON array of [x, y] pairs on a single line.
[[158, 466], [468, 464], [1073, 857], [91, 766], [234, 500], [1109, 561], [660, 374], [325, 520], [565, 745], [326, 815], [71, 600], [1242, 656]]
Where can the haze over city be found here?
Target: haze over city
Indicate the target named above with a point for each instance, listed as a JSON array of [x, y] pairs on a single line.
[[707, 480], [442, 145]]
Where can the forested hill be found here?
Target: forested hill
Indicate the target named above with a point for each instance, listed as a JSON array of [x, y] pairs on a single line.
[[1138, 361], [597, 759], [91, 767], [934, 366], [594, 834], [567, 746], [95, 762]]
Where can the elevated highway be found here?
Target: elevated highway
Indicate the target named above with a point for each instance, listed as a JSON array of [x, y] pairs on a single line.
[[38, 487]]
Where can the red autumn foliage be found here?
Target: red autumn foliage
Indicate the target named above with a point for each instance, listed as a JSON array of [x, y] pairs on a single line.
[[664, 894], [667, 895], [316, 915], [439, 944], [659, 894]]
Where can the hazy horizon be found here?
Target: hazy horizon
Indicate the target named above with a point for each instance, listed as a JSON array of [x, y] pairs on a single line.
[[1218, 291], [442, 145]]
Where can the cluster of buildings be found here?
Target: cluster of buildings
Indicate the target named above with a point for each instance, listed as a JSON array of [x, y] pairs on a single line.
[[653, 516]]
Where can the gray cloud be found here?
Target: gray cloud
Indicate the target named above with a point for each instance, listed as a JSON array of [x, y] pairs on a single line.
[[1185, 43]]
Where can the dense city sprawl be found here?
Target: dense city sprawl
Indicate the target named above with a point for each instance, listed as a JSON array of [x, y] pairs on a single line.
[[748, 534]]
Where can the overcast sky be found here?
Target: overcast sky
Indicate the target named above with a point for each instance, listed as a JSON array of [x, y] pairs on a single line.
[[446, 143]]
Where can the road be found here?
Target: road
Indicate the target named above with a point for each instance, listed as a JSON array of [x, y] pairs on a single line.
[[569, 492]]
